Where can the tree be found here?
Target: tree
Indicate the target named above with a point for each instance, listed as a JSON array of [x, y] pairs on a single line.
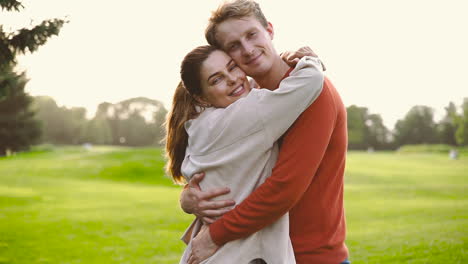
[[417, 127], [378, 134], [18, 127], [357, 130], [96, 131], [448, 125], [461, 133], [60, 125], [366, 130], [134, 122]]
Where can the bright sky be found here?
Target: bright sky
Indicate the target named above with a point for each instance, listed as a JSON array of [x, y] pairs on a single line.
[[384, 55]]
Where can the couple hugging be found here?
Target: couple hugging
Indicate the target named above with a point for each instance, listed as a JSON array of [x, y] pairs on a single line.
[[264, 158]]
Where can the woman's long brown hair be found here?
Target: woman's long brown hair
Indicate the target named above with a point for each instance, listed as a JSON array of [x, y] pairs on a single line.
[[184, 108]]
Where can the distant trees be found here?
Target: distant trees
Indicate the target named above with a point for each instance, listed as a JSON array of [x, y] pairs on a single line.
[[418, 127], [60, 125], [18, 127], [448, 125], [366, 130], [461, 134], [133, 122], [139, 122]]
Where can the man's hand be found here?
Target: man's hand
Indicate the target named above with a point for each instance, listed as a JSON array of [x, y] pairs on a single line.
[[293, 57], [203, 246], [195, 201]]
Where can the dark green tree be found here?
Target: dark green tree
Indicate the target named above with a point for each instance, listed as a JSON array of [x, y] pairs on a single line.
[[378, 136], [18, 127], [418, 127], [357, 130], [366, 130], [461, 134], [448, 125]]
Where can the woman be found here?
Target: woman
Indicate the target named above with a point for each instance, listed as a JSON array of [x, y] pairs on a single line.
[[221, 126]]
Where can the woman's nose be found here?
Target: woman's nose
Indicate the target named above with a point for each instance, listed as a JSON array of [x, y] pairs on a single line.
[[231, 78]]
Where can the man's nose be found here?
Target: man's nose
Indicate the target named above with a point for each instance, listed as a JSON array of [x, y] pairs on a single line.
[[247, 48]]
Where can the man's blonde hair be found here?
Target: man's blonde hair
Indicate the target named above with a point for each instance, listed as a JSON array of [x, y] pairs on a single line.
[[232, 9]]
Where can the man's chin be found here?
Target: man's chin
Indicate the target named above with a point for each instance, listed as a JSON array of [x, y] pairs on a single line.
[[254, 71]]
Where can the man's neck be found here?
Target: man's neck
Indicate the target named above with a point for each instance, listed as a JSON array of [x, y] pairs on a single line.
[[272, 78]]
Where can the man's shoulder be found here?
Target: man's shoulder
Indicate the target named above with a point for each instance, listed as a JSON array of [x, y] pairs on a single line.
[[326, 100], [325, 108]]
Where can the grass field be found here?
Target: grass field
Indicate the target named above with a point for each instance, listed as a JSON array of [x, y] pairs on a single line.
[[113, 205]]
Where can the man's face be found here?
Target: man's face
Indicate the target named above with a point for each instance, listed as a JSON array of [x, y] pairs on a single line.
[[249, 44]]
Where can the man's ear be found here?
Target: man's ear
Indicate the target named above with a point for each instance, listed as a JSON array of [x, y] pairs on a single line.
[[270, 30]]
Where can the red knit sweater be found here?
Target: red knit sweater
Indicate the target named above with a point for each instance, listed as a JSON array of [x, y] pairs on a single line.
[[307, 181]]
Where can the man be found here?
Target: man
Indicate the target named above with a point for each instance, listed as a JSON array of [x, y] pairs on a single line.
[[307, 180]]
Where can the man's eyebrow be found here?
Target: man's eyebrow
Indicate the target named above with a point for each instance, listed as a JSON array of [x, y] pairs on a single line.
[[247, 31], [216, 73]]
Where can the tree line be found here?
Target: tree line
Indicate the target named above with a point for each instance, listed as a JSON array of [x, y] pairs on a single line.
[[140, 122], [133, 122], [366, 130]]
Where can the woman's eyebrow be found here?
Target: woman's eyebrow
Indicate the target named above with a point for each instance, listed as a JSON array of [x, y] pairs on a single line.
[[216, 73]]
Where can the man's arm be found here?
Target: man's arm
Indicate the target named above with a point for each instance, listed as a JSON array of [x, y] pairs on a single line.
[[194, 201], [303, 149]]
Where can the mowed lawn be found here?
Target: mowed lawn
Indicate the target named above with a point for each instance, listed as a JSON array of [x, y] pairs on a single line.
[[114, 205]]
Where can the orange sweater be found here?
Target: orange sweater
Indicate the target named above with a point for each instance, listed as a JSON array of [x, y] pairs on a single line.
[[307, 181]]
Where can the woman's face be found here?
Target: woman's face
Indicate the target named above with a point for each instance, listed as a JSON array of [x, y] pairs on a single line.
[[222, 81]]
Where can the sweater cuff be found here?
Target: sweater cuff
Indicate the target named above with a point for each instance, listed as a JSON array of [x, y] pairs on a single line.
[[218, 232]]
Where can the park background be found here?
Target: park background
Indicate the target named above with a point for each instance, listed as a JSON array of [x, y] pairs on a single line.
[[83, 102]]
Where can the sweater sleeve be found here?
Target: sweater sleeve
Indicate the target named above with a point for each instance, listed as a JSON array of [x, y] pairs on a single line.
[[302, 151], [279, 109]]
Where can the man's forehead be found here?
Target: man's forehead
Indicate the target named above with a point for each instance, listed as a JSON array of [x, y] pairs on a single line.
[[233, 28]]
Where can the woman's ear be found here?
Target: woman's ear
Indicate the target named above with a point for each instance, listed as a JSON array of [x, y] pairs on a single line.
[[201, 101]]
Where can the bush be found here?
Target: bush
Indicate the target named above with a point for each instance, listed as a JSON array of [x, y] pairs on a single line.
[[430, 148]]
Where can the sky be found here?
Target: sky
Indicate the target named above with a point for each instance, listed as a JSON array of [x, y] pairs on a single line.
[[384, 55]]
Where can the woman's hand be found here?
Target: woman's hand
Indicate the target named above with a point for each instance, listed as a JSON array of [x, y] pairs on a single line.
[[293, 57], [203, 246], [195, 201]]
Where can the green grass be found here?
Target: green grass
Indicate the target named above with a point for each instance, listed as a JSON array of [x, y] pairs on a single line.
[[407, 208], [114, 205]]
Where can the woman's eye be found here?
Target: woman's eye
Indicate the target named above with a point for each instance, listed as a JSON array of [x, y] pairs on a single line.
[[233, 67], [216, 80]]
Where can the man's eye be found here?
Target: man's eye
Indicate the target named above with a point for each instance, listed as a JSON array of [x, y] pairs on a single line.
[[233, 67], [233, 46], [251, 34]]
